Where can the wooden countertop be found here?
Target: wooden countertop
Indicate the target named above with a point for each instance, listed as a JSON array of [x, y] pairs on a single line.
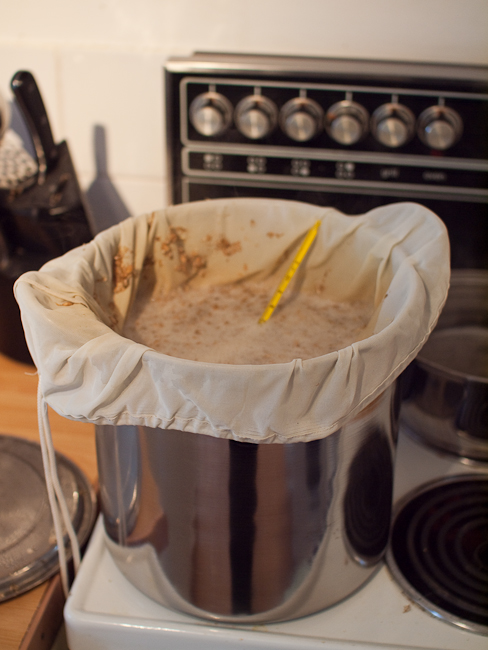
[[27, 622]]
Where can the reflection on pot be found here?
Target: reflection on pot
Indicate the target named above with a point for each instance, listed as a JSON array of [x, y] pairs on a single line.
[[367, 505], [446, 388], [250, 532]]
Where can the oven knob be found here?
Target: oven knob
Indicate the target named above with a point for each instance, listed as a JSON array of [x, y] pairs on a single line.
[[255, 116], [347, 122], [301, 119], [210, 113], [439, 127], [393, 124]]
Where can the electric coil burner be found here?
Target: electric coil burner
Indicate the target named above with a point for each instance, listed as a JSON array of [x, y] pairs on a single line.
[[439, 550]]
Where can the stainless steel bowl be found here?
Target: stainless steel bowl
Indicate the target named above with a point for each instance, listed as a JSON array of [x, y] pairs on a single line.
[[235, 531], [446, 386]]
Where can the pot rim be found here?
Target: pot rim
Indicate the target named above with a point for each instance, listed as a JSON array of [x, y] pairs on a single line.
[[460, 279], [453, 375]]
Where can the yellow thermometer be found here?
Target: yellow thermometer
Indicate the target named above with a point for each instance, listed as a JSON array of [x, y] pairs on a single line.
[[302, 251]]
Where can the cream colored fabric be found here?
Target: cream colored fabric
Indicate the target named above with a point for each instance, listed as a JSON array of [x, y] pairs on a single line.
[[73, 311]]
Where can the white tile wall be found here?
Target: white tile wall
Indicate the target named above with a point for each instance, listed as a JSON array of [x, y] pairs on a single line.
[[99, 65], [121, 91]]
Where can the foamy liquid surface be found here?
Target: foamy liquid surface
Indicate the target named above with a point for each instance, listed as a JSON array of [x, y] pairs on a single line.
[[219, 324]]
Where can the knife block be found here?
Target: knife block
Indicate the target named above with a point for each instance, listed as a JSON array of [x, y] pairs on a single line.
[[37, 224]]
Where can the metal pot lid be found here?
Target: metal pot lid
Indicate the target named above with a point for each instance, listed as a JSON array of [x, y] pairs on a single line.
[[438, 551], [28, 549]]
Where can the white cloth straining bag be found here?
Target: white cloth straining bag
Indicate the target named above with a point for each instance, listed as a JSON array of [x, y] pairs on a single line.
[[74, 308]]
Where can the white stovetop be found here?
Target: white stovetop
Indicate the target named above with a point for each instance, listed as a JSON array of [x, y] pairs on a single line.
[[106, 612]]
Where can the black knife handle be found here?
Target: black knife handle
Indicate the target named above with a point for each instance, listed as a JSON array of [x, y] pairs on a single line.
[[29, 99]]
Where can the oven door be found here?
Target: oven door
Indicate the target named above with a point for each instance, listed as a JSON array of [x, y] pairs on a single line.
[[466, 220]]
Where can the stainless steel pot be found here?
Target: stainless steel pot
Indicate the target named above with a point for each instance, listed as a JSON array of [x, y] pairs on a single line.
[[247, 532], [446, 387]]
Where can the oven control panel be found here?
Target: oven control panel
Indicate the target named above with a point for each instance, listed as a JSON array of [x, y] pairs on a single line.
[[326, 116], [297, 128]]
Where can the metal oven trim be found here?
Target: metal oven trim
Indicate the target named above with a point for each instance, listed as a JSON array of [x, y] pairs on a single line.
[[338, 155], [454, 193], [332, 187], [286, 66]]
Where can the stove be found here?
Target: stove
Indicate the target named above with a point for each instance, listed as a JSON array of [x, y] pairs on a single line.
[[105, 611], [353, 135]]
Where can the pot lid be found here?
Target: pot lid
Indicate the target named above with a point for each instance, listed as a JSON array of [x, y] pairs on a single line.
[[28, 549]]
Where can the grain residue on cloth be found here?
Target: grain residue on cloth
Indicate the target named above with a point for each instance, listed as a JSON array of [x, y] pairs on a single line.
[[219, 324], [274, 234], [174, 247], [123, 270], [227, 247]]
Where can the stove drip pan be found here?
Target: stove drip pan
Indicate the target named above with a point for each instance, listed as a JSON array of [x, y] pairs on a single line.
[[439, 550]]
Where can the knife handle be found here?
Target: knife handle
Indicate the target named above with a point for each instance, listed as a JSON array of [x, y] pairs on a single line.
[[29, 99]]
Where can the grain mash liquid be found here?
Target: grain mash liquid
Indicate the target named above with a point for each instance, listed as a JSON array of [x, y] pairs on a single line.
[[219, 324]]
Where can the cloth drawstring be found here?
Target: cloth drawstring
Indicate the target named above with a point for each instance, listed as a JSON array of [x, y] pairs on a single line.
[[57, 501]]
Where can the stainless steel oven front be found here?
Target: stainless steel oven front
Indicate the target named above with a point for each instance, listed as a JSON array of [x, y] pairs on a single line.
[[353, 135]]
